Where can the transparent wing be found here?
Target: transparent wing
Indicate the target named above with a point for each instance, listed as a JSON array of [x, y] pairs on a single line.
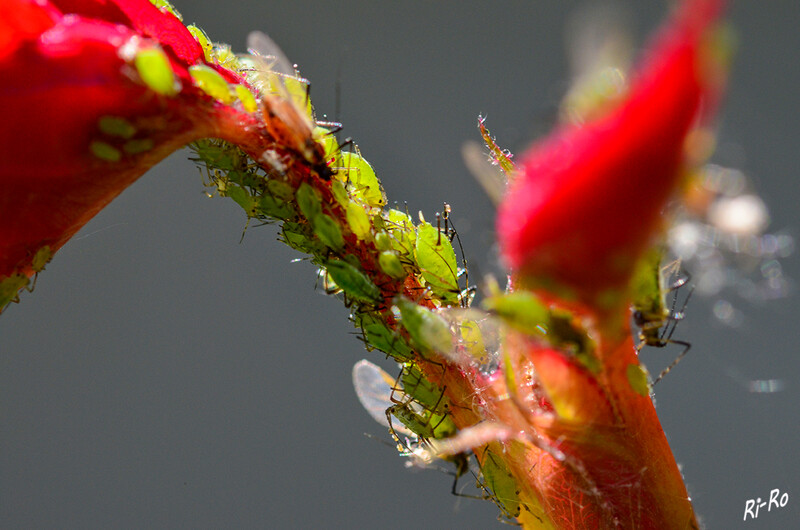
[[273, 73], [374, 389]]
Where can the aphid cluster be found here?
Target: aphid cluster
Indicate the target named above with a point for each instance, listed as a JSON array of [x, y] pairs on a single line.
[[393, 273]]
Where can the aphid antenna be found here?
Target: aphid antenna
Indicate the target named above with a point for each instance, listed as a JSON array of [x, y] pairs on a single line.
[[244, 230]]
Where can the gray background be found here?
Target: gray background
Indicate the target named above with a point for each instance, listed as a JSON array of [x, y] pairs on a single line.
[[164, 375]]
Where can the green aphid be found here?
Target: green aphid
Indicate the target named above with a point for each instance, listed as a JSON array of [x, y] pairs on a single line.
[[650, 311], [424, 392], [41, 258], [363, 181], [269, 206], [498, 479], [296, 236], [328, 231], [218, 155], [280, 190], [156, 72], [423, 423], [137, 146], [522, 310], [427, 329], [525, 312], [378, 335], [353, 282], [105, 151], [116, 126], [309, 201], [241, 197], [358, 220], [10, 287], [436, 260], [391, 265]]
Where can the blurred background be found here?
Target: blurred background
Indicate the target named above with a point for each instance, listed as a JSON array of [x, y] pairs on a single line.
[[165, 375]]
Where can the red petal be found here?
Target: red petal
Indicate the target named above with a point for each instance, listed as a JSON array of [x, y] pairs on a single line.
[[22, 20], [145, 19]]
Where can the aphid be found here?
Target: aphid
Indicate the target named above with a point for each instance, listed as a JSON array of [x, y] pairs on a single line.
[[499, 481], [353, 282], [436, 260], [291, 126], [426, 328], [650, 311], [379, 394]]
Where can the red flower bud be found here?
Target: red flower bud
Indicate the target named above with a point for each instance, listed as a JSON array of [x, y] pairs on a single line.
[[588, 199]]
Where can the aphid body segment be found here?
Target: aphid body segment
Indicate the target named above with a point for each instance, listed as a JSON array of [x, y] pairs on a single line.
[[280, 86]]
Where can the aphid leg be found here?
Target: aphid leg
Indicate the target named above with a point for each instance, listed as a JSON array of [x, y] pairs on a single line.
[[686, 347]]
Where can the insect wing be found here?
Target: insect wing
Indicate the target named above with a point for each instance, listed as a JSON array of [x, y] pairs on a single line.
[[274, 74], [374, 390]]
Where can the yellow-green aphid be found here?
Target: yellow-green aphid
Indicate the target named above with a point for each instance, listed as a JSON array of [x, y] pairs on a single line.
[[362, 180], [638, 379], [437, 262], [427, 329], [155, 71], [353, 282], [247, 98], [164, 5], [212, 83], [358, 220], [402, 232], [378, 335], [202, 39]]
